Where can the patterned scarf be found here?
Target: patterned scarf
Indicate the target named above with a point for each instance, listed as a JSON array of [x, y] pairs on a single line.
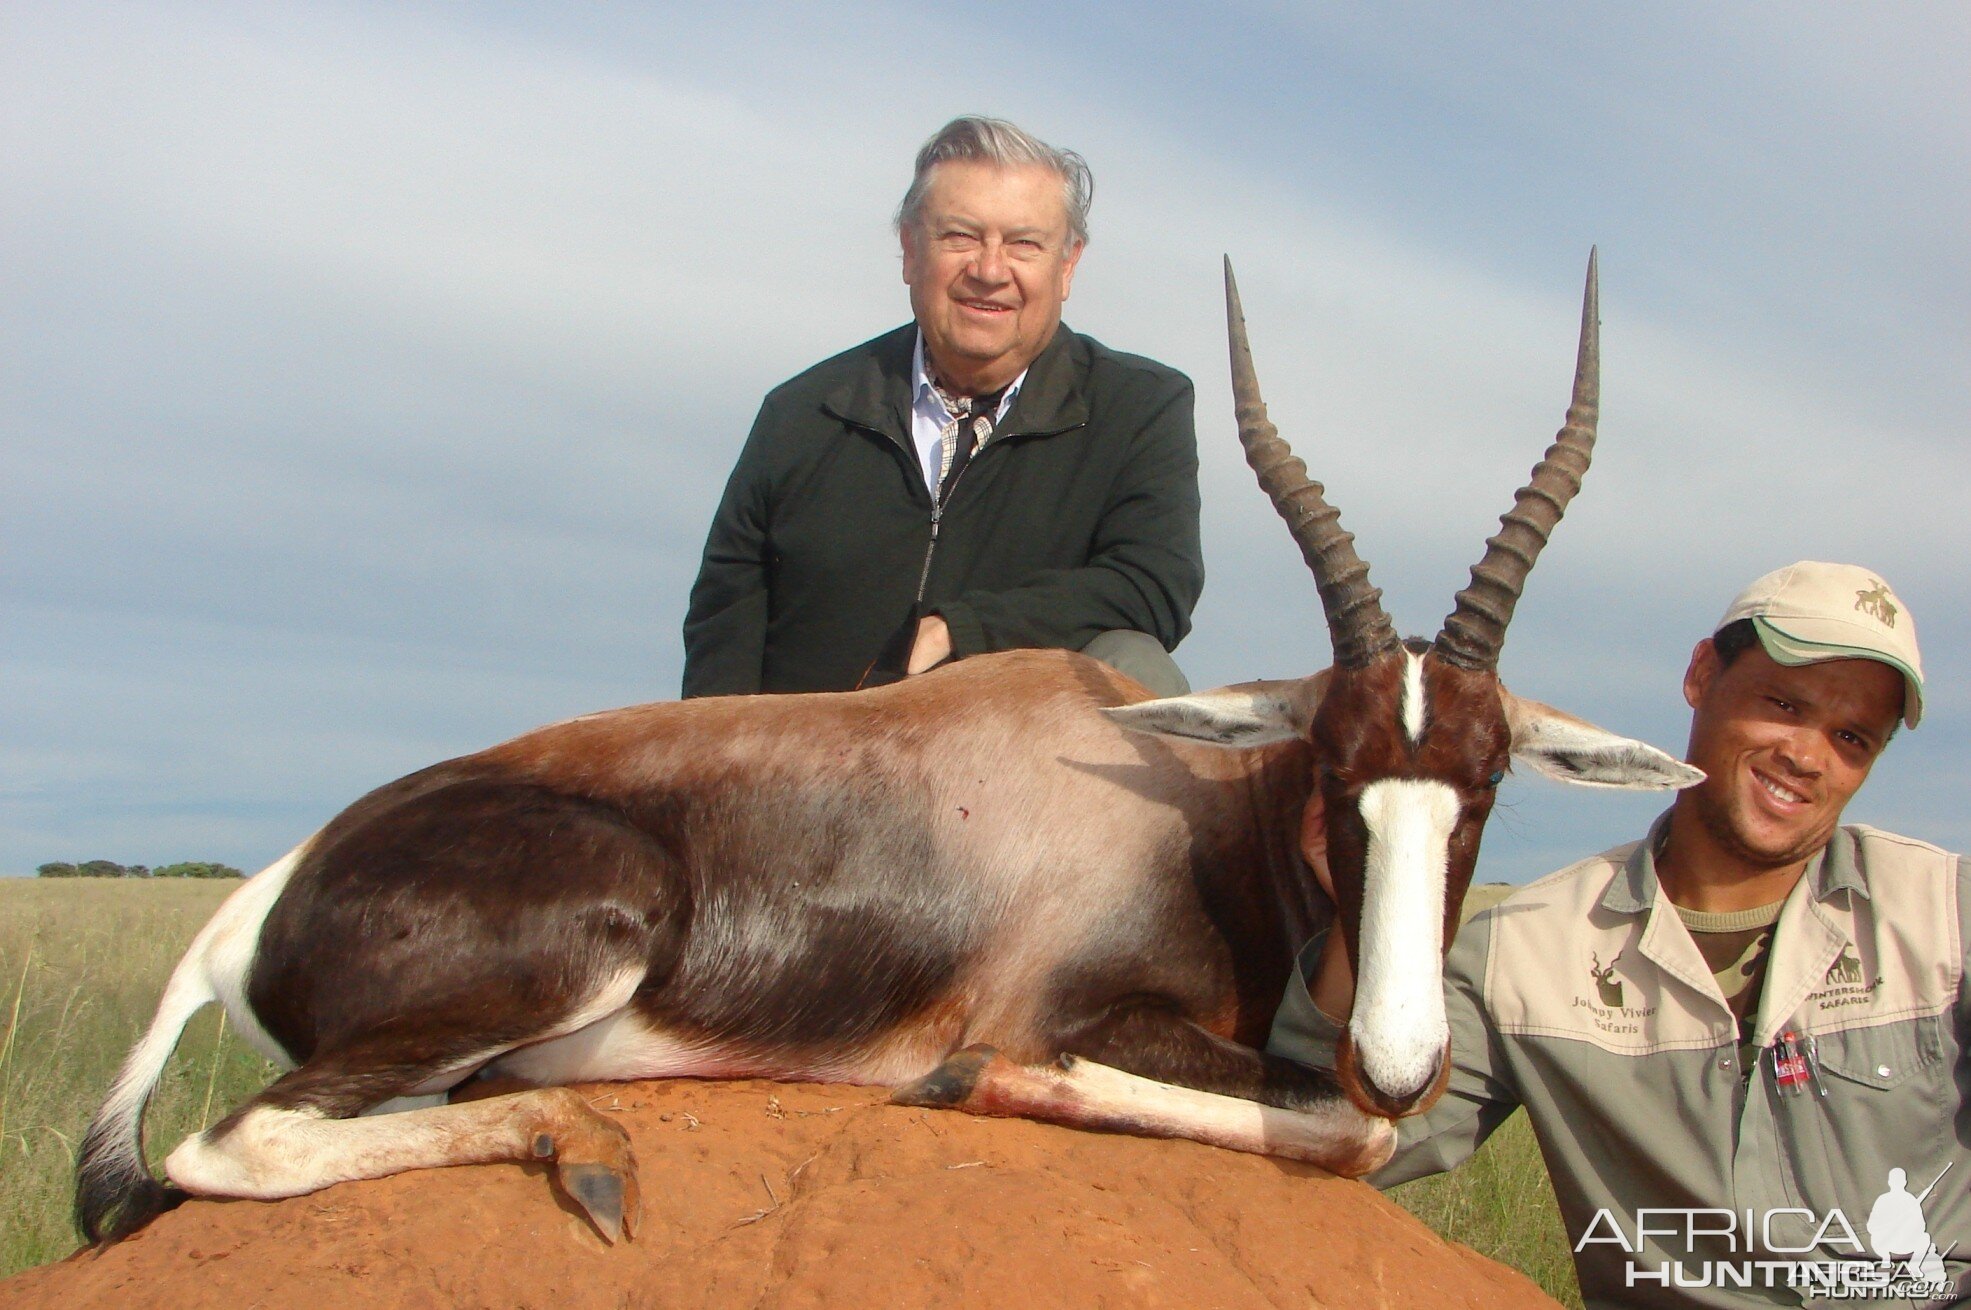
[[965, 432]]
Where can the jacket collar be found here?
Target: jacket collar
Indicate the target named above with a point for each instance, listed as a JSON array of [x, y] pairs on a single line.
[[876, 394], [1633, 889]]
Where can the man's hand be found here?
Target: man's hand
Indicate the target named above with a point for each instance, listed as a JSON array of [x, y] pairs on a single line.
[[1333, 983], [1314, 841], [932, 647]]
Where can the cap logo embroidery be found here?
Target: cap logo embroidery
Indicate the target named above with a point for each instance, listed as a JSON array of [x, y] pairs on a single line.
[[1875, 601]]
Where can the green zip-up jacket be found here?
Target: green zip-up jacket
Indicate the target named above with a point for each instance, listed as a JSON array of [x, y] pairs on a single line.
[[1079, 516], [1583, 998]]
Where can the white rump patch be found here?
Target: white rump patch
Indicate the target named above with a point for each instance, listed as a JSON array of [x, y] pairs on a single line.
[[227, 945], [1413, 697], [1398, 1026], [214, 968]]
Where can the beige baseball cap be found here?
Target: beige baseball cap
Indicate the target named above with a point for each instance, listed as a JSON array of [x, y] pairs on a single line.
[[1810, 611]]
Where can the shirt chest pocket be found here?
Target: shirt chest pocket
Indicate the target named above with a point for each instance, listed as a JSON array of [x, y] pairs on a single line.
[[1875, 1106], [1885, 1057]]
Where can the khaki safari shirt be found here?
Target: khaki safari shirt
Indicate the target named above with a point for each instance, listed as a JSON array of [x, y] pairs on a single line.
[[1683, 1178]]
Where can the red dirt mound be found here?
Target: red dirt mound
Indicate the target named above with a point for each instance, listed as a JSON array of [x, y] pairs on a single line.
[[778, 1196]]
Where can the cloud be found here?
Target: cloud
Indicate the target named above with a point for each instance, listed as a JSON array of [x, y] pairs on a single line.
[[370, 373]]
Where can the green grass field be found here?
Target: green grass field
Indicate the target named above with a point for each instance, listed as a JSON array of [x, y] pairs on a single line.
[[82, 962]]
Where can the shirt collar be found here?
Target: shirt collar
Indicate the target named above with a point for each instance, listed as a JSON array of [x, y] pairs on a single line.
[[923, 395], [1633, 890], [1839, 869]]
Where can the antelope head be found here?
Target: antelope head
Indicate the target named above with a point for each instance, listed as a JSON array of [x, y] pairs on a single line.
[[1410, 738]]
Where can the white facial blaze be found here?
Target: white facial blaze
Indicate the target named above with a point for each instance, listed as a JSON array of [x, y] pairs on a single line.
[[1413, 696], [1398, 1026]]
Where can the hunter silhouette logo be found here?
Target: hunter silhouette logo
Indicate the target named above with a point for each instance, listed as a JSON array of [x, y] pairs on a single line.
[[1898, 1234], [1875, 601], [1846, 971], [1606, 983]]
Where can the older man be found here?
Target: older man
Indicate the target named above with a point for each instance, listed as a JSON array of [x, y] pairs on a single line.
[[1731, 1036], [981, 479]]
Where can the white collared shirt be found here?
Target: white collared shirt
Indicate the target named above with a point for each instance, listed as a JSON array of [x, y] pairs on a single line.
[[928, 416]]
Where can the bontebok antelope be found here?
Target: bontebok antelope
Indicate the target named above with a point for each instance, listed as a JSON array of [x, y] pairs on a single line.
[[1013, 886]]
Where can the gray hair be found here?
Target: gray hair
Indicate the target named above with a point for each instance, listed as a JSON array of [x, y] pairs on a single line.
[[996, 141]]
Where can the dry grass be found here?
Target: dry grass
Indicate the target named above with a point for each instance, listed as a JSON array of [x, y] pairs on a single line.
[[83, 961]]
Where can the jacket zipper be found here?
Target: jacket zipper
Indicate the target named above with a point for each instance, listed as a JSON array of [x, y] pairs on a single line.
[[924, 578], [937, 518]]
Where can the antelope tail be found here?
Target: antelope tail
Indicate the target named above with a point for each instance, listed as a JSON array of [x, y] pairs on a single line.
[[115, 1193]]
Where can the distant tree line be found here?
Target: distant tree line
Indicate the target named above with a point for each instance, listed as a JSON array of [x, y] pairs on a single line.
[[111, 869]]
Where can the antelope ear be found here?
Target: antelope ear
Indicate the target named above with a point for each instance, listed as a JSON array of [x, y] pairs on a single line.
[[1243, 714], [1568, 749]]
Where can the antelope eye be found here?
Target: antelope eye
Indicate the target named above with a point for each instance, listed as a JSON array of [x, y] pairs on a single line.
[[1496, 778]]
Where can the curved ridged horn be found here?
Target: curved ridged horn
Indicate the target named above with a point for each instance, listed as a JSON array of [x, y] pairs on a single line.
[[1357, 625], [1475, 631]]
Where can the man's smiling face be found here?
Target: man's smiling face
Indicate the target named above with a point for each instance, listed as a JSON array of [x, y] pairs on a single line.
[[1783, 748], [989, 261]]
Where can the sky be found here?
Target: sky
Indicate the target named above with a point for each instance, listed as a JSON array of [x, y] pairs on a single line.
[[369, 372]]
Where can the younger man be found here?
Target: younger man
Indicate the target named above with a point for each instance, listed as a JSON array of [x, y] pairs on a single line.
[[1731, 1036]]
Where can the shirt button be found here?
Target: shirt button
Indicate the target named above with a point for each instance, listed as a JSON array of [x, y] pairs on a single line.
[[1883, 1071], [1724, 1062]]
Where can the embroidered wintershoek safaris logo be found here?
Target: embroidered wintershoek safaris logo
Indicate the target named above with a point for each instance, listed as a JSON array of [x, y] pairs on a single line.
[[1846, 971]]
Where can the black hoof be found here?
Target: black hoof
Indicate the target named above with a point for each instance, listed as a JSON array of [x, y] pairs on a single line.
[[598, 1189], [951, 1083]]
